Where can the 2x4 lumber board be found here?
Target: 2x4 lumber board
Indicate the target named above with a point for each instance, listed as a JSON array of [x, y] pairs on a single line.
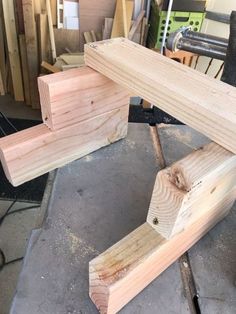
[[2, 90], [189, 186], [49, 67], [51, 32], [32, 49], [136, 24], [202, 102], [106, 32], [30, 153], [125, 269], [13, 50], [76, 95], [2, 53], [43, 38], [24, 65], [122, 18]]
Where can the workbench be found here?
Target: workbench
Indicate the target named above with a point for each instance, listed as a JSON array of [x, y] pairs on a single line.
[[94, 202]]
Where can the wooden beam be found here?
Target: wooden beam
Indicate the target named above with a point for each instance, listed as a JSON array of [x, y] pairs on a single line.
[[43, 38], [189, 187], [3, 52], [2, 89], [120, 273], [30, 153], [32, 49], [88, 37], [49, 67], [51, 32], [122, 18], [106, 33], [76, 95], [24, 66], [13, 50], [201, 102], [136, 24]]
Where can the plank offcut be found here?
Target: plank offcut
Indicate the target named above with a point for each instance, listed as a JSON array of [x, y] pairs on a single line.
[[76, 95], [201, 102], [35, 151]]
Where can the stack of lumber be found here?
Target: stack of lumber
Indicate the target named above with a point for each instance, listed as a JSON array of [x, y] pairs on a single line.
[[129, 21], [28, 37], [82, 111]]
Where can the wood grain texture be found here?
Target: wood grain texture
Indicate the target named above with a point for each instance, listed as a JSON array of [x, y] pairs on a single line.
[[120, 273], [32, 49], [106, 33], [122, 19], [92, 14], [13, 49], [76, 95], [51, 32], [136, 24], [24, 66], [43, 38], [189, 187], [28, 154], [201, 102], [66, 38]]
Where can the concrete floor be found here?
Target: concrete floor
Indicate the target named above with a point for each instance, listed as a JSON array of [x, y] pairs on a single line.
[[14, 235]]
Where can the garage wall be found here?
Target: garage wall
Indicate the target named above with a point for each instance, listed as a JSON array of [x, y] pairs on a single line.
[[215, 28]]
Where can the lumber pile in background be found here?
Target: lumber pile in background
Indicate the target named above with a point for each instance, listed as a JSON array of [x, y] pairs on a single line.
[[77, 121], [128, 20], [38, 37]]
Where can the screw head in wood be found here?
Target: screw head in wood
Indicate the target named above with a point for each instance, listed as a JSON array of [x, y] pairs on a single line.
[[155, 221]]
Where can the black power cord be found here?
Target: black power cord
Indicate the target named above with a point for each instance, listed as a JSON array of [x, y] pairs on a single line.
[[3, 261]]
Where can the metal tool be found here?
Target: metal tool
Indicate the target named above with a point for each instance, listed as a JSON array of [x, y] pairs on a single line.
[[199, 43]]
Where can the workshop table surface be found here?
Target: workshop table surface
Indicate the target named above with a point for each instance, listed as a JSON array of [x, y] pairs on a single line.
[[96, 201]]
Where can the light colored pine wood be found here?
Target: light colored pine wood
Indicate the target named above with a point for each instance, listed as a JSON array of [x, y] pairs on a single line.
[[88, 37], [201, 102], [49, 67], [53, 4], [93, 35], [51, 32], [24, 66], [2, 89], [136, 25], [191, 186], [76, 95], [121, 25], [125, 22], [43, 38], [3, 54], [125, 269], [73, 58], [32, 49], [13, 50], [108, 22], [37, 7], [30, 153]]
